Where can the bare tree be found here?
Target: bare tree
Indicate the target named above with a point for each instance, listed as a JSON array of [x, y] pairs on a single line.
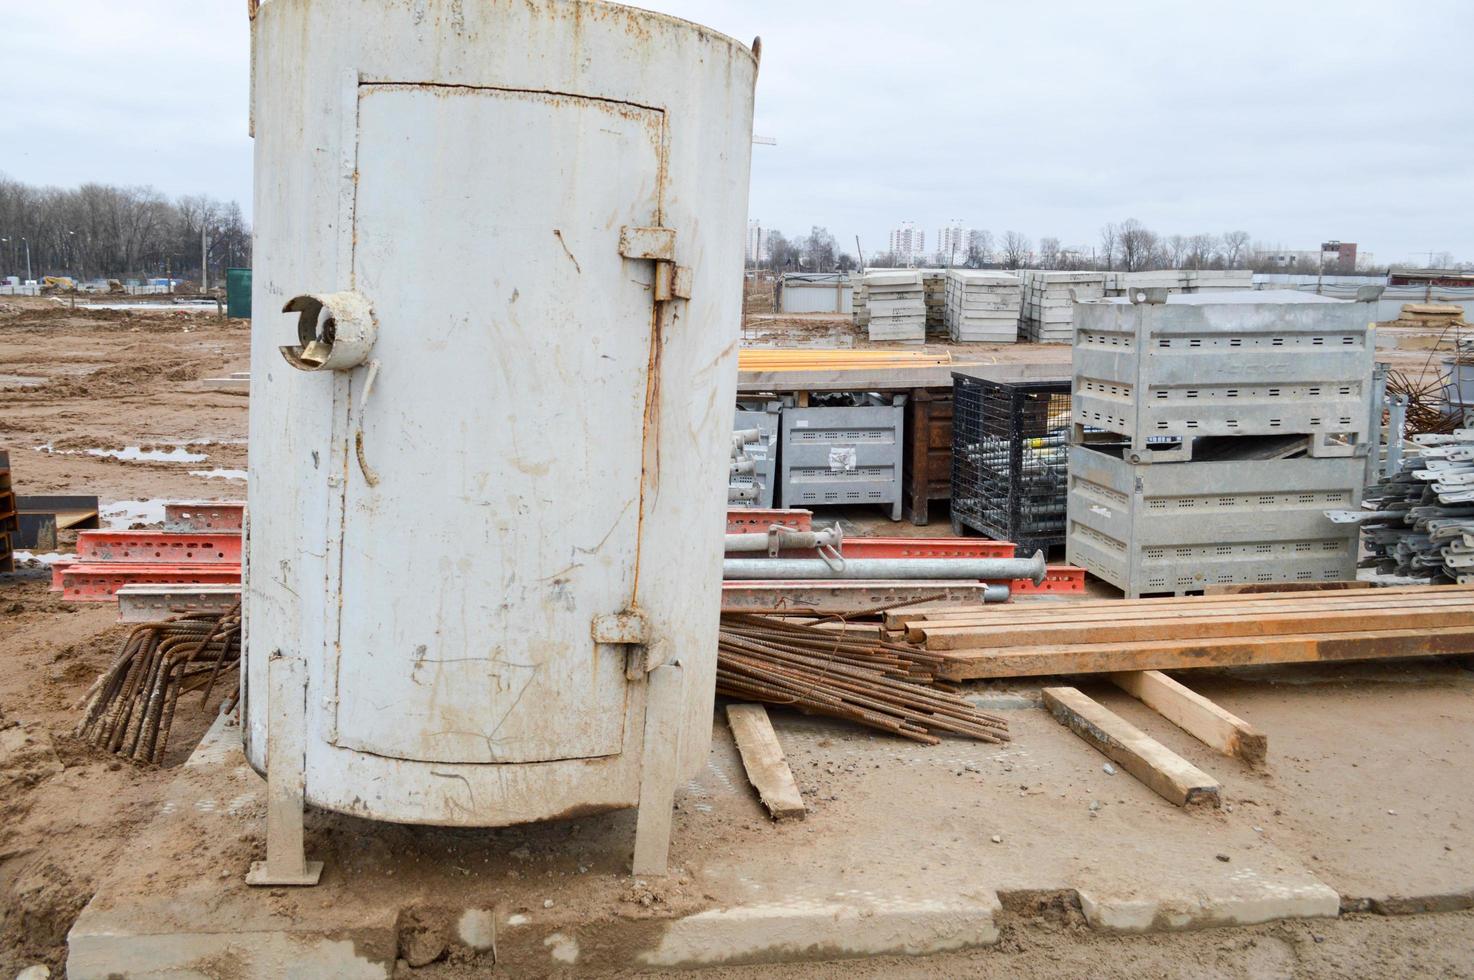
[[1049, 253], [1016, 246], [1110, 239], [1200, 250], [1138, 245], [819, 250], [1176, 248], [1235, 248], [97, 230]]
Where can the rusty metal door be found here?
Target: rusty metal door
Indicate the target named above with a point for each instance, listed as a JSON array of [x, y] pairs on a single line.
[[491, 493]]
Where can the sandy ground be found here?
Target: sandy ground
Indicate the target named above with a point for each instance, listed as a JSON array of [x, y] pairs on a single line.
[[78, 380]]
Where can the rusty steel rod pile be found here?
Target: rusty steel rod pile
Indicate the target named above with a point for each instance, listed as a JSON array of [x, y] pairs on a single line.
[[129, 709], [833, 672], [1425, 412]]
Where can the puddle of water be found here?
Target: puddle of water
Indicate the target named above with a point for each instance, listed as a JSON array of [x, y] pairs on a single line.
[[123, 514], [21, 380], [133, 454], [223, 474], [44, 558]]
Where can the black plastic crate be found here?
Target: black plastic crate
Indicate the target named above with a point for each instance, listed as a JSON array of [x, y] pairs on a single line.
[[1009, 459]]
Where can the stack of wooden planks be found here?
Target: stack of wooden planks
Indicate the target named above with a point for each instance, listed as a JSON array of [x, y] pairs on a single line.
[[1038, 639], [834, 359]]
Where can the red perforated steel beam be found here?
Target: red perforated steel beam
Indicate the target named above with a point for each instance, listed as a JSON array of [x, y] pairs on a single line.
[[139, 547], [97, 581], [204, 515], [740, 519]]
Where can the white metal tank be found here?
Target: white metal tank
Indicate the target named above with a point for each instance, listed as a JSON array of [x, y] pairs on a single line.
[[489, 429]]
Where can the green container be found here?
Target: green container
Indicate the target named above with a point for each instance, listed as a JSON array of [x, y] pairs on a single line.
[[238, 293]]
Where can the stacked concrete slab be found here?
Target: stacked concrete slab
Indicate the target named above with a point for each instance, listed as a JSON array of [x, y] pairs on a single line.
[[1048, 309], [983, 306], [934, 290], [1210, 434], [895, 302], [1179, 280], [859, 300]]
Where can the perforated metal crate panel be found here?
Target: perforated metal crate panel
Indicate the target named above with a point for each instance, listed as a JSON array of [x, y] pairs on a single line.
[[1203, 366], [1178, 527], [1009, 459], [842, 456]]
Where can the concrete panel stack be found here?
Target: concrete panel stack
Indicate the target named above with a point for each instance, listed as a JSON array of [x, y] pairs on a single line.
[[1210, 434], [934, 290], [1179, 280], [859, 301], [983, 306], [1048, 314], [896, 304]]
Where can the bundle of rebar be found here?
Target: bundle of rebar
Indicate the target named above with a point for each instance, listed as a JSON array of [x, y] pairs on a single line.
[[1425, 413], [129, 710], [845, 674]]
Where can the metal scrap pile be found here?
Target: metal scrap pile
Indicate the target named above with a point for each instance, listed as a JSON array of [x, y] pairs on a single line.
[[130, 709], [1422, 528], [844, 673]]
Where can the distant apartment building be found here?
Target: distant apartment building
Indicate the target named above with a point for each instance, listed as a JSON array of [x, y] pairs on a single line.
[[756, 248], [952, 242], [908, 243]]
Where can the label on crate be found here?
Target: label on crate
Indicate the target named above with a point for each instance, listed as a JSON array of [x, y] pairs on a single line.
[[843, 459]]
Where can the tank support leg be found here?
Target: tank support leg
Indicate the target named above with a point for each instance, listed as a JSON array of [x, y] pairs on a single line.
[[286, 745], [658, 769]]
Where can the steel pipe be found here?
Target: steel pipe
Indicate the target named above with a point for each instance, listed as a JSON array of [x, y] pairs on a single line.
[[782, 537], [880, 568]]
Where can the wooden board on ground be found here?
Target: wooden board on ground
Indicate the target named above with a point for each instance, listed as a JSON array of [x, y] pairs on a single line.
[[1179, 626], [1159, 768], [1116, 608], [1262, 588], [762, 757], [1195, 714], [1097, 658]]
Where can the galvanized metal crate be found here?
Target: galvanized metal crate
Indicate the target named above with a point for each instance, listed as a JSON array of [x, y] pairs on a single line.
[[843, 456], [763, 453], [1149, 528], [1274, 362], [1008, 459]]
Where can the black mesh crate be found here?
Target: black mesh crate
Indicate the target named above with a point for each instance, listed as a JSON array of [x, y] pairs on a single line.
[[1009, 450]]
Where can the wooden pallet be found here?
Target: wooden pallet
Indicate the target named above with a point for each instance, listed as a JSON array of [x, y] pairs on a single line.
[[1194, 631]]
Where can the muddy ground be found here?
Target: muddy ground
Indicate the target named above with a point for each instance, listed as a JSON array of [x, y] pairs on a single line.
[[76, 382]]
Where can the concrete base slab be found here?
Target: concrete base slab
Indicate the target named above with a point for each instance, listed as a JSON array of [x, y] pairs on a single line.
[[905, 849]]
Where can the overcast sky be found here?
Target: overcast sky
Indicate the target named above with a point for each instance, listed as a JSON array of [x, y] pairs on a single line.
[[1296, 120]]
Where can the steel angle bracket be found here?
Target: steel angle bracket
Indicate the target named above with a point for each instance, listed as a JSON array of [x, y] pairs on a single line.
[[631, 630]]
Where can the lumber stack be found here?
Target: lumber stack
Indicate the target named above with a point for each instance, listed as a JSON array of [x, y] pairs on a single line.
[[766, 359], [1175, 633]]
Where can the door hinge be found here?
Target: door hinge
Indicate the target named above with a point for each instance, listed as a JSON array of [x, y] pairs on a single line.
[[657, 245], [629, 629]]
